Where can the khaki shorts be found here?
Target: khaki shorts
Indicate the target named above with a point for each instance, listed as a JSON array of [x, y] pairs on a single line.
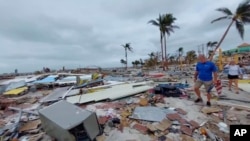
[[206, 84]]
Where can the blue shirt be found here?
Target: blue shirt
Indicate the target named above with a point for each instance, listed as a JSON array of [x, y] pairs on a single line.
[[205, 70]]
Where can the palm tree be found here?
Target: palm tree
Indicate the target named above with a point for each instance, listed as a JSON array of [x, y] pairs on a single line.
[[169, 27], [210, 46], [159, 22], [127, 48], [137, 62], [180, 53], [153, 59], [240, 18], [171, 58], [191, 56], [151, 55], [133, 63], [123, 61]]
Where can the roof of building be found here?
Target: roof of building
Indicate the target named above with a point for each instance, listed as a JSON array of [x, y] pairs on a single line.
[[244, 45]]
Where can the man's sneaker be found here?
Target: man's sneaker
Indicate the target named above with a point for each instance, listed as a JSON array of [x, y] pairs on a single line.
[[198, 100], [208, 104]]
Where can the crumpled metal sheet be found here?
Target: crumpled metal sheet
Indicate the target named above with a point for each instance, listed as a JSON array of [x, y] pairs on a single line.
[[15, 85], [55, 95], [151, 113]]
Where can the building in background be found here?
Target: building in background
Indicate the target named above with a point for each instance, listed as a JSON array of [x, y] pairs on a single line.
[[240, 54]]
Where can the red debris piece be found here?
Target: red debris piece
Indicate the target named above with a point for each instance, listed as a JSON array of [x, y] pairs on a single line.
[[183, 121], [186, 130], [194, 124], [159, 98], [143, 129], [174, 116], [181, 111], [108, 105], [103, 120]]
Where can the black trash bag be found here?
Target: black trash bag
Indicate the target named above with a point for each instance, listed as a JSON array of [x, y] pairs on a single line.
[[168, 90]]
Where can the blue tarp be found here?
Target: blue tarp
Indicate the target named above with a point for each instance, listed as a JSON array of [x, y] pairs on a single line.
[[48, 79]]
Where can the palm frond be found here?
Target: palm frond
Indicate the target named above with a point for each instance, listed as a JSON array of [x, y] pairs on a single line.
[[243, 9], [153, 22], [240, 28], [225, 11], [244, 3], [127, 45], [175, 26], [214, 43], [245, 20], [169, 30], [221, 18], [180, 49], [208, 43], [130, 49], [245, 16]]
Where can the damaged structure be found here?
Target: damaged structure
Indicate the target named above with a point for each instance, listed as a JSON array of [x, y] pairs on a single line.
[[154, 107]]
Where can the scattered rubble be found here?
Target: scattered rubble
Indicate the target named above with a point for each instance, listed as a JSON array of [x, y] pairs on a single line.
[[166, 113]]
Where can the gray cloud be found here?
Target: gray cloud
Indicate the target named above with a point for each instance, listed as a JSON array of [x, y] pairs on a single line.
[[34, 34]]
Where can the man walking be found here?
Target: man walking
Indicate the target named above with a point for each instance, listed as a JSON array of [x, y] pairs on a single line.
[[205, 74]]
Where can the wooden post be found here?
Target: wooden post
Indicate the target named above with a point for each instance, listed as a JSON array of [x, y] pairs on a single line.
[[220, 60]]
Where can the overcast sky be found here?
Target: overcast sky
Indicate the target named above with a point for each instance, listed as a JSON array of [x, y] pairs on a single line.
[[80, 33]]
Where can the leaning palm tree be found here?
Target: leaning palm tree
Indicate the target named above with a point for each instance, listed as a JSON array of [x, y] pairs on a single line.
[[159, 22], [240, 18], [169, 27], [127, 48]]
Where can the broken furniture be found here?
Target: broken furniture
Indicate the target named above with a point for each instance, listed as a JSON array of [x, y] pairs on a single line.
[[67, 122]]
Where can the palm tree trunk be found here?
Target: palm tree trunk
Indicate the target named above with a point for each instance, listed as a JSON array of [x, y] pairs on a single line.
[[126, 56], [221, 40], [162, 51], [165, 51]]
